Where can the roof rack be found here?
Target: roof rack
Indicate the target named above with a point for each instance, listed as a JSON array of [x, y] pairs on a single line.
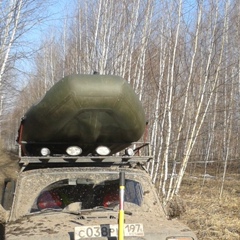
[[141, 156]]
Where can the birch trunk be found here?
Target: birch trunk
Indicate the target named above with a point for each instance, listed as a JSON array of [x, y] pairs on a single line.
[[154, 140], [198, 121], [228, 105], [169, 100], [189, 81]]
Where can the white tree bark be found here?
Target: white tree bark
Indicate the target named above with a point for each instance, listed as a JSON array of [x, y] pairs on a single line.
[[9, 34], [198, 121], [186, 97], [227, 130], [169, 102]]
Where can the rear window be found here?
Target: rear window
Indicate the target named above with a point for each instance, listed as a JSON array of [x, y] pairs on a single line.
[[62, 193]]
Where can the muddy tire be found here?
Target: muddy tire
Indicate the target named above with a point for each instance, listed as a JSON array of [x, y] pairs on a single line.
[[1, 224], [1, 194], [8, 193], [2, 231]]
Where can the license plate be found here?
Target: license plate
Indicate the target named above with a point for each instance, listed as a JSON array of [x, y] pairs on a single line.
[[107, 230]]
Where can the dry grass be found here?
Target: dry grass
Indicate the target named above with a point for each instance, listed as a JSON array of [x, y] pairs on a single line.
[[8, 165], [208, 215]]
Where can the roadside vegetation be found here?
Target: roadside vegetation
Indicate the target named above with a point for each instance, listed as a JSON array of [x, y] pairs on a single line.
[[212, 217], [8, 165]]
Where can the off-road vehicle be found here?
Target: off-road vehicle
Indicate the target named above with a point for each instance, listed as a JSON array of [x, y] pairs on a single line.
[[75, 145], [56, 199]]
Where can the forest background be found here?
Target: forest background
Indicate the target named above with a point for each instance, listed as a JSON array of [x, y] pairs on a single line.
[[181, 57]]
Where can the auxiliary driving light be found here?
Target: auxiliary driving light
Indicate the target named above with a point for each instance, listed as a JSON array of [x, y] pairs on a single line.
[[129, 152], [74, 151], [102, 150], [45, 152]]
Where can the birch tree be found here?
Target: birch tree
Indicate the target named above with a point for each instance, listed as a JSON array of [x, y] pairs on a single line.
[[198, 121], [186, 97], [169, 101], [17, 17]]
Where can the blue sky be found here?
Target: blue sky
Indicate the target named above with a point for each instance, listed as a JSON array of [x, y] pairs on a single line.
[[32, 39], [56, 14]]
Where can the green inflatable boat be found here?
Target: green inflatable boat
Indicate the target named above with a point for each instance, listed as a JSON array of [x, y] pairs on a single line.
[[83, 115]]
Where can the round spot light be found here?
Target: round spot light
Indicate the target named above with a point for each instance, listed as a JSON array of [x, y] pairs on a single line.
[[74, 151], [103, 150], [129, 152], [45, 152]]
